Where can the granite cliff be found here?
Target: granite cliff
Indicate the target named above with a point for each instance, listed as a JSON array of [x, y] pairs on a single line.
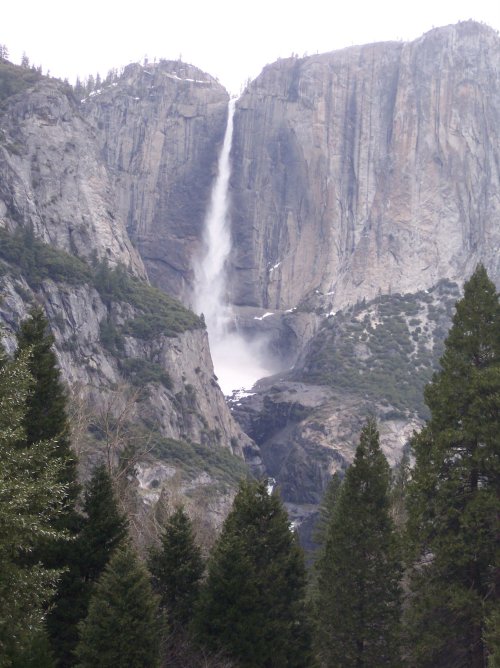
[[74, 239], [358, 176], [370, 169]]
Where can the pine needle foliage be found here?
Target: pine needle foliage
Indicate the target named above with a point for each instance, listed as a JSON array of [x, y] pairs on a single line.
[[359, 570], [453, 496], [253, 604], [32, 495], [121, 628], [177, 569], [105, 526], [45, 416]]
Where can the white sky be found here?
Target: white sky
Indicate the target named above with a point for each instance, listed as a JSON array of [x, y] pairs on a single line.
[[230, 40]]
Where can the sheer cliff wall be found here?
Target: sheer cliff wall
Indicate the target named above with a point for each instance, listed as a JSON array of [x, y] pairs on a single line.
[[371, 169]]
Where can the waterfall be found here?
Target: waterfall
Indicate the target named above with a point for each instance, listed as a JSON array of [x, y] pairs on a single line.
[[210, 269], [238, 363]]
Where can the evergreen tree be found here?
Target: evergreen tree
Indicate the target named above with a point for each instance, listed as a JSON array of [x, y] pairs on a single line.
[[121, 628], [37, 654], [45, 418], [177, 569], [326, 508], [252, 607], [492, 637], [105, 526], [103, 529], [31, 496], [325, 514], [453, 496], [358, 598]]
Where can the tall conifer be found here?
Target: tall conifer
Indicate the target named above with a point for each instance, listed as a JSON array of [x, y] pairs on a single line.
[[31, 496], [45, 417], [453, 496], [121, 628], [252, 607], [177, 569], [103, 528], [359, 571]]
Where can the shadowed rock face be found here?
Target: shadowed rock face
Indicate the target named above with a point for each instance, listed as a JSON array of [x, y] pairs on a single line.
[[159, 132], [370, 169], [122, 176]]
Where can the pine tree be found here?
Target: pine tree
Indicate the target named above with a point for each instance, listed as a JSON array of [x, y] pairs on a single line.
[[31, 496], [121, 628], [46, 417], [177, 569], [358, 599], [105, 526], [454, 492], [326, 508], [252, 607], [492, 637], [103, 529]]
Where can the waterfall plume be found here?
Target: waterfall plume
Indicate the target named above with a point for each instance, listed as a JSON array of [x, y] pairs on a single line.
[[238, 363]]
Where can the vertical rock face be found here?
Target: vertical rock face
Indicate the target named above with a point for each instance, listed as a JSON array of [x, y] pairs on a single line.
[[52, 178], [370, 169], [123, 176], [159, 130]]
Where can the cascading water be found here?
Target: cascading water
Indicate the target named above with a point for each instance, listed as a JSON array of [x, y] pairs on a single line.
[[238, 363], [210, 270]]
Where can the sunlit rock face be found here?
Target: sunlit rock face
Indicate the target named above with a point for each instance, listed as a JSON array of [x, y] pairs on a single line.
[[53, 179], [370, 169]]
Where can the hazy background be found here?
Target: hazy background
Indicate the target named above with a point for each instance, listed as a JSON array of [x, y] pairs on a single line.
[[229, 39]]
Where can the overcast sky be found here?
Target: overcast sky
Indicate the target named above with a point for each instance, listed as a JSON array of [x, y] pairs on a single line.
[[229, 39]]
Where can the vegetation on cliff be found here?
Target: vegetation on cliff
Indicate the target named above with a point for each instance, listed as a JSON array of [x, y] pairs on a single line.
[[156, 312], [385, 349], [15, 78]]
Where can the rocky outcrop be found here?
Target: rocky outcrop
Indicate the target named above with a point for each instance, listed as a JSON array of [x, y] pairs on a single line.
[[158, 132], [370, 169], [188, 405], [307, 432], [105, 179], [52, 177], [371, 359]]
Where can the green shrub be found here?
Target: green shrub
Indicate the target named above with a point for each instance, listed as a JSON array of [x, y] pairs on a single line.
[[141, 372], [14, 79], [36, 261], [195, 457], [158, 312]]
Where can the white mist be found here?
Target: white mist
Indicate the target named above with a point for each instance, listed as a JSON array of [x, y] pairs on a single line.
[[237, 362]]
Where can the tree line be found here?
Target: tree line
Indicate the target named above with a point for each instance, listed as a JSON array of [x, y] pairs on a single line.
[[407, 572]]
